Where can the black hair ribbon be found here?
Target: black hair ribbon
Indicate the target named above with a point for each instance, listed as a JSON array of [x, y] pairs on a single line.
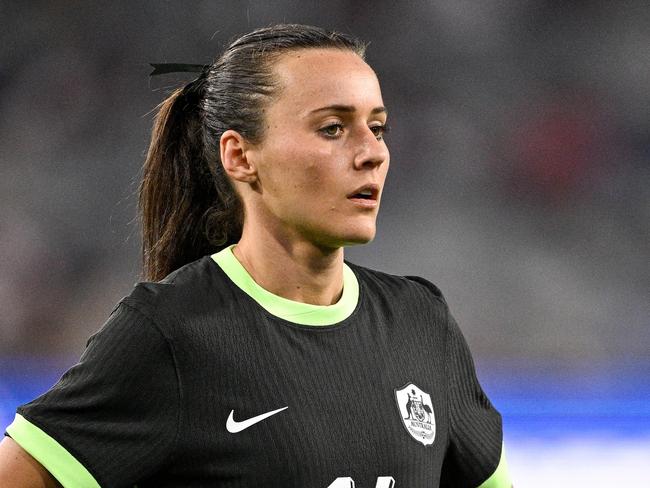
[[164, 68]]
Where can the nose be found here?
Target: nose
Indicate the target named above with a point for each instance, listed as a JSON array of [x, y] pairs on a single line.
[[371, 152]]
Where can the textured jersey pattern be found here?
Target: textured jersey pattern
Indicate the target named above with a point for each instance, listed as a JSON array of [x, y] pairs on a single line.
[[177, 360]]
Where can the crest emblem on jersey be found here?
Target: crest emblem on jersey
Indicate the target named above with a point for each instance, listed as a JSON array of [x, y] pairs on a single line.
[[416, 410]]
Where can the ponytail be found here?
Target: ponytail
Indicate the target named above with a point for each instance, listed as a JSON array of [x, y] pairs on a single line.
[[187, 205]]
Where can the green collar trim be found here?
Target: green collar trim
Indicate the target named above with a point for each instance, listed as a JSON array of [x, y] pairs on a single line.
[[52, 455], [290, 310]]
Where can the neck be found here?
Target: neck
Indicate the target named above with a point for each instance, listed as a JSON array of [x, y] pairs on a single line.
[[291, 268]]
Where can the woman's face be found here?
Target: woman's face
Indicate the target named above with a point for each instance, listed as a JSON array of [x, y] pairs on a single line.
[[322, 163]]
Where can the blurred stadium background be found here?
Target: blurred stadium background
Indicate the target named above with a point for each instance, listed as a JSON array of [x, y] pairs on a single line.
[[519, 184]]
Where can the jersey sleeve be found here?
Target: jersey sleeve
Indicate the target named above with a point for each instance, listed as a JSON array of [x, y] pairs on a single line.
[[475, 455], [111, 419]]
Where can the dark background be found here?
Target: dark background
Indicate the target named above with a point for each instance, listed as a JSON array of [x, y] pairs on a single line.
[[519, 181]]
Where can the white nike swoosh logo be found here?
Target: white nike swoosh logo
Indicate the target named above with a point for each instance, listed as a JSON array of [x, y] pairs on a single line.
[[233, 426]]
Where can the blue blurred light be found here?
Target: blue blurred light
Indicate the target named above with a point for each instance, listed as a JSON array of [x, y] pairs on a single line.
[[532, 404]]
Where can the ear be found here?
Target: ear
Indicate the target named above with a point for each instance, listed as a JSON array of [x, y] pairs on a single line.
[[232, 146]]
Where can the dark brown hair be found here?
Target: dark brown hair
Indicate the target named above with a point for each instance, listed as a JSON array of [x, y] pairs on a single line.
[[187, 205]]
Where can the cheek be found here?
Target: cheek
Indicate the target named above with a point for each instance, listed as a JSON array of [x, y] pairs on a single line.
[[303, 176], [330, 173], [384, 172], [318, 170], [281, 172]]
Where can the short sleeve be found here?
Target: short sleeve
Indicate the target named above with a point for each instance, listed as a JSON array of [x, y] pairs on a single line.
[[474, 454], [112, 418]]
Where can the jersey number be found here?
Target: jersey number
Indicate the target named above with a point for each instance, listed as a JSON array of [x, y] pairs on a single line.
[[382, 482]]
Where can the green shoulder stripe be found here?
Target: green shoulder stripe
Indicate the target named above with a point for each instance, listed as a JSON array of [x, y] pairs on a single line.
[[59, 462], [500, 478]]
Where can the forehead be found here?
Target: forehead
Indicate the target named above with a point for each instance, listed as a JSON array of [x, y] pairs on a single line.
[[311, 78]]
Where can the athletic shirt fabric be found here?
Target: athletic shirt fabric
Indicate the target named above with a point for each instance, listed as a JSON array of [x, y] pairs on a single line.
[[167, 392]]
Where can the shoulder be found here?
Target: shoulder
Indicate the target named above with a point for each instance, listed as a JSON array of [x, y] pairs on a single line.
[[404, 287], [189, 290]]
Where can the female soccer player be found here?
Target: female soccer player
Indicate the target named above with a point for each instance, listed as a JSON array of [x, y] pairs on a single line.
[[254, 355]]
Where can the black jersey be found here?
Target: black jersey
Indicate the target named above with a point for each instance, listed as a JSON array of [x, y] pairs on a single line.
[[197, 381]]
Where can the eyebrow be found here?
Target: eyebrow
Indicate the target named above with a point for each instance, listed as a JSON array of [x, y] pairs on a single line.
[[348, 109]]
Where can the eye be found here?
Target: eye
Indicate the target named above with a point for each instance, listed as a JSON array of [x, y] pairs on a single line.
[[332, 130], [379, 131]]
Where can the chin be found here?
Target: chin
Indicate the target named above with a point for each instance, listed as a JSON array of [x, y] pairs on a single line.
[[359, 236], [356, 243], [333, 238]]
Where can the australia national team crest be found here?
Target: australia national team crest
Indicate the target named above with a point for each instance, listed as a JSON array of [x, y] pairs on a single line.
[[416, 409]]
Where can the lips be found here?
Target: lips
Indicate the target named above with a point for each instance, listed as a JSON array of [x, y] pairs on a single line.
[[368, 192]]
